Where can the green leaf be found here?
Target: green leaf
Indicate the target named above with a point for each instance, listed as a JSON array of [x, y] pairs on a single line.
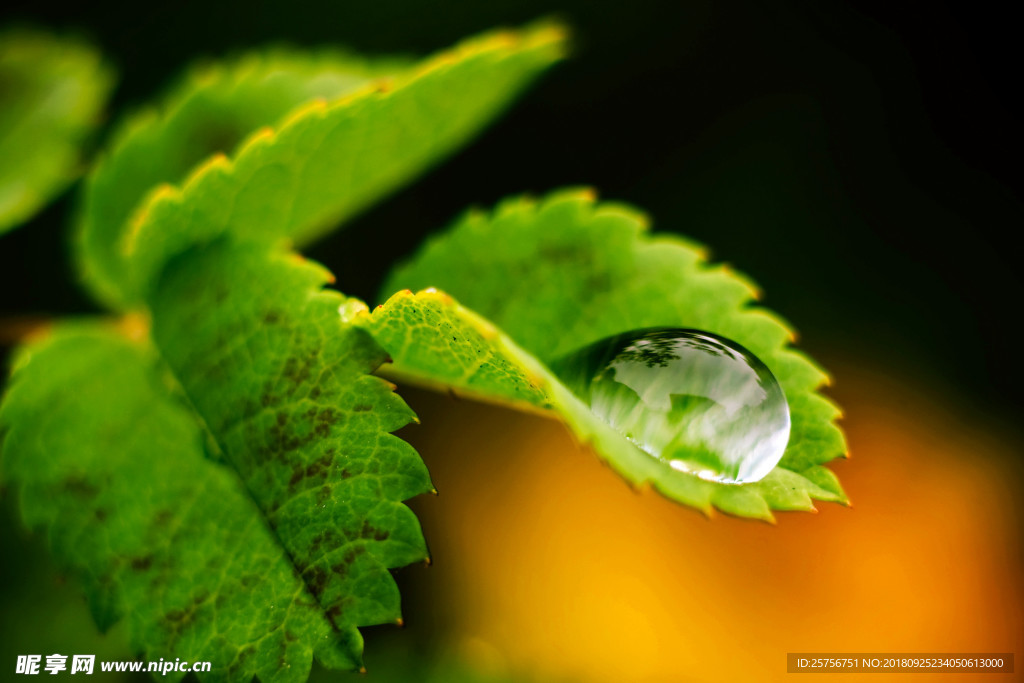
[[284, 389], [265, 377], [209, 112], [435, 342], [328, 161], [115, 471], [52, 91], [557, 275]]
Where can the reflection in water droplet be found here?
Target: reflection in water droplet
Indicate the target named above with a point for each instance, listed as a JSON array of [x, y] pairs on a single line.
[[699, 402]]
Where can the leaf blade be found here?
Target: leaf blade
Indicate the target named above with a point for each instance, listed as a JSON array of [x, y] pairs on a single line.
[[571, 272], [161, 535], [283, 387], [209, 112], [283, 183], [276, 389], [52, 91]]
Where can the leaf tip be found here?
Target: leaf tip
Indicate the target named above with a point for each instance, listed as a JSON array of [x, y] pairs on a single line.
[[258, 136], [351, 310], [134, 326], [755, 292], [164, 192], [624, 212], [217, 161], [161, 194], [436, 294], [550, 32], [313, 106]]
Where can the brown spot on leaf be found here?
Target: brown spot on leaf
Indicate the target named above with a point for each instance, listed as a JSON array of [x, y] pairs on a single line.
[[141, 564], [299, 368], [342, 567], [176, 615], [324, 542], [324, 495], [162, 517], [330, 416], [240, 661], [281, 439], [319, 469], [598, 282], [368, 531], [181, 618], [316, 579], [79, 486]]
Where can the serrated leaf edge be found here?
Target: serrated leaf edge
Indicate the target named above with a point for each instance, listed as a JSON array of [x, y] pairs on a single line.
[[565, 407], [548, 35]]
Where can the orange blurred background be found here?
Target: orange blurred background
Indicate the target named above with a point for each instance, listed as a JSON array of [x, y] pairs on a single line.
[[547, 565]]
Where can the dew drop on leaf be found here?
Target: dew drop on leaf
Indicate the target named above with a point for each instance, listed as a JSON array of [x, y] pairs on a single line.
[[699, 402]]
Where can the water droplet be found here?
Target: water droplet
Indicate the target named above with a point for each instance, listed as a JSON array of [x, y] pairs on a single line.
[[699, 402]]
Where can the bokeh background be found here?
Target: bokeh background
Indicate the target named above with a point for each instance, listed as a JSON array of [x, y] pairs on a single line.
[[859, 161]]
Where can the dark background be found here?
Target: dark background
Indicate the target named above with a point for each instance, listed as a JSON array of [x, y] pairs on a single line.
[[856, 160]]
